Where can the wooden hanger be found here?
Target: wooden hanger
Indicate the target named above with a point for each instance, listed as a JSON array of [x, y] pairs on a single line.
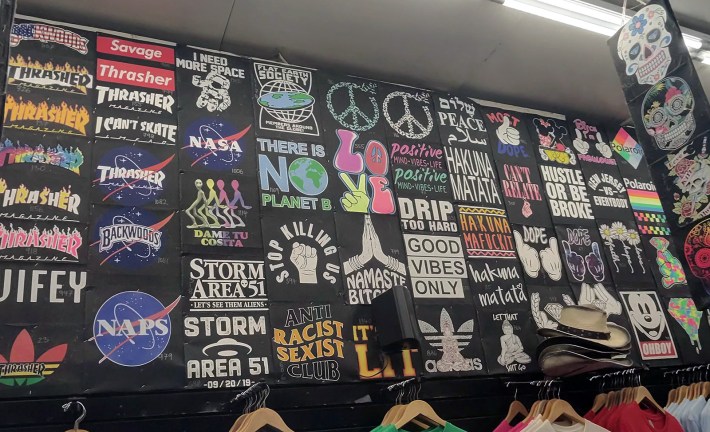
[[239, 422], [706, 390], [671, 397], [392, 414], [419, 410], [643, 396], [561, 409], [515, 409], [599, 402], [264, 417]]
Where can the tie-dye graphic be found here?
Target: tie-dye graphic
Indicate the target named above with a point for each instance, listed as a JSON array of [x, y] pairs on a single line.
[[688, 316]]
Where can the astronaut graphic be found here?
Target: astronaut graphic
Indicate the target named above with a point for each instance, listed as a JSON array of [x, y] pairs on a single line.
[[215, 95]]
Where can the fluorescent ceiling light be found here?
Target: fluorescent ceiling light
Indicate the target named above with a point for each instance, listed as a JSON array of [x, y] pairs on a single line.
[[692, 42], [583, 15]]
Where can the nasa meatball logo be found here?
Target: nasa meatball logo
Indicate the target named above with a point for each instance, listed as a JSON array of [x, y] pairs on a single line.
[[130, 238], [132, 328], [131, 176], [214, 144]]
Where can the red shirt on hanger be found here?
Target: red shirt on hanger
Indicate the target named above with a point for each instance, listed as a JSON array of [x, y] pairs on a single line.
[[633, 418]]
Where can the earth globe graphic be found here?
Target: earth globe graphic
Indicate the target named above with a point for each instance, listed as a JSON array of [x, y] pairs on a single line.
[[286, 101], [308, 176]]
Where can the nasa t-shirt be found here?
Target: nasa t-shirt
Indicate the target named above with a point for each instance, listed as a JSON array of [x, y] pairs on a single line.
[[152, 319]]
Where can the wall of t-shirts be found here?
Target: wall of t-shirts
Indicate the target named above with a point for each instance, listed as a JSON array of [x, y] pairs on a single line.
[[172, 217]]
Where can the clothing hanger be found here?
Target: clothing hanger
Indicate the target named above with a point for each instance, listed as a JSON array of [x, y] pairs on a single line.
[[419, 409], [81, 417], [393, 413], [397, 411], [264, 417], [534, 407], [515, 409], [420, 413], [671, 396], [599, 401], [600, 398], [644, 396], [261, 418], [561, 409], [550, 402], [247, 413]]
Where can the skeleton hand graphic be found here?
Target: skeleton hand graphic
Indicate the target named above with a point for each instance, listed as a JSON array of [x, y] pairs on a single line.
[[603, 147], [305, 258], [551, 261], [595, 263], [580, 144], [507, 134], [575, 262], [528, 256]]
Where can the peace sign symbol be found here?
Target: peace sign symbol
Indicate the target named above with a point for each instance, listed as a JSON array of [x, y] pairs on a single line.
[[412, 124], [352, 115]]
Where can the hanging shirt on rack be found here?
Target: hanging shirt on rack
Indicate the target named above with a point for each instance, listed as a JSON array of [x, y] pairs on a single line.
[[586, 427], [504, 426], [448, 427], [531, 426], [633, 418], [705, 418], [692, 415], [679, 411]]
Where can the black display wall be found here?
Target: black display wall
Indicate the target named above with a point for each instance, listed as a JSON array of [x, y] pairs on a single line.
[[176, 218]]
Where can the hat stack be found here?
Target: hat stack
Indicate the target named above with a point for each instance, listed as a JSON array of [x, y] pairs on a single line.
[[584, 341]]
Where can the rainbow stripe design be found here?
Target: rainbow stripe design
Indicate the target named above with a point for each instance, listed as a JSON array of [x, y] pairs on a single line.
[[645, 200], [628, 148]]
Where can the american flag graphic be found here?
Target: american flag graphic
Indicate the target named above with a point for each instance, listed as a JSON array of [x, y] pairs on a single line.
[[48, 33]]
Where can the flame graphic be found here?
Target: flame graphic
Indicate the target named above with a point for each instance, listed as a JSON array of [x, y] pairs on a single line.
[[73, 116], [19, 61]]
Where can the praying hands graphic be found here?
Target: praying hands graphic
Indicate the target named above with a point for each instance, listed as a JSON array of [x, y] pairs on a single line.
[[371, 248]]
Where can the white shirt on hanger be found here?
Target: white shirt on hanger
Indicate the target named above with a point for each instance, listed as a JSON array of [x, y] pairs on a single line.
[[705, 418], [588, 426], [692, 414], [534, 424]]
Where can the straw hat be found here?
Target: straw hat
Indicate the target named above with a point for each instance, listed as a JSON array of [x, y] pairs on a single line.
[[568, 363], [588, 322]]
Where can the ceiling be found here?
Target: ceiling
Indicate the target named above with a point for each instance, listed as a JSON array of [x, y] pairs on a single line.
[[476, 48]]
